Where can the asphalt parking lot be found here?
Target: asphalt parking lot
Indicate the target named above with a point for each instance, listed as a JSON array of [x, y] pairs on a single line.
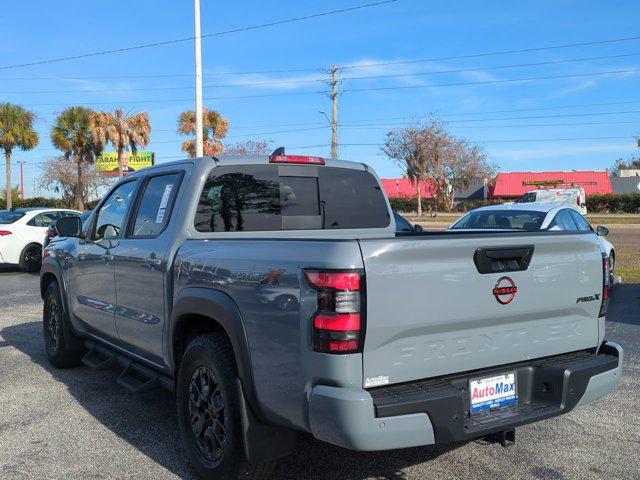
[[79, 423]]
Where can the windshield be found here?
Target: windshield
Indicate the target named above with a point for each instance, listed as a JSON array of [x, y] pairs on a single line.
[[7, 217], [528, 197], [501, 220]]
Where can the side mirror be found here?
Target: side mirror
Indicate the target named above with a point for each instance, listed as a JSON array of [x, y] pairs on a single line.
[[69, 227], [417, 228], [602, 231]]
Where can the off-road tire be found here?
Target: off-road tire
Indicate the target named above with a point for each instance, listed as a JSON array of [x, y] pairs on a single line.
[[211, 357], [30, 258], [64, 348]]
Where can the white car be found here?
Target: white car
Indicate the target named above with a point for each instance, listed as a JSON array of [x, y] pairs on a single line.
[[22, 233], [532, 217]]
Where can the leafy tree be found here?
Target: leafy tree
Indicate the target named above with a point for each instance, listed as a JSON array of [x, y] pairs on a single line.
[[250, 147], [445, 163], [214, 127], [16, 131], [72, 134], [123, 131], [61, 175], [619, 164], [15, 194]]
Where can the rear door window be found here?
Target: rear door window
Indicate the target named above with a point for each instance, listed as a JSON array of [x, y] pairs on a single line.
[[564, 221], [580, 221], [155, 205], [44, 220], [258, 198]]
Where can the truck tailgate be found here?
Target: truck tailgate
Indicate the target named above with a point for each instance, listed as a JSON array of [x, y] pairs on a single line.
[[430, 311]]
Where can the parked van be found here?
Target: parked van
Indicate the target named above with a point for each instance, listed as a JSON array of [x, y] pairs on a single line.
[[571, 197]]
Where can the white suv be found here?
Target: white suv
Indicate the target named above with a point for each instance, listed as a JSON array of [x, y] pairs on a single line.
[[22, 233]]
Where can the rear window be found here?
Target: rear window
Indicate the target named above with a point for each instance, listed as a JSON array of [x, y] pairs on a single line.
[[501, 220], [7, 217], [258, 198]]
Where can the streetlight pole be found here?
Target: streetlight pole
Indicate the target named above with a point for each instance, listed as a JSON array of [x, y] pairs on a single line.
[[22, 180], [198, 62]]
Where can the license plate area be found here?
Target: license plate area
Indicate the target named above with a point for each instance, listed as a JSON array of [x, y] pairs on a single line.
[[492, 392]]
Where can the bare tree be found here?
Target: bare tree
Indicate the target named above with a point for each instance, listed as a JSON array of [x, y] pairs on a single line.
[[445, 163], [250, 147], [61, 175]]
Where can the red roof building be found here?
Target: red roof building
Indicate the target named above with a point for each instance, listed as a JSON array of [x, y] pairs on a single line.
[[402, 188], [516, 184]]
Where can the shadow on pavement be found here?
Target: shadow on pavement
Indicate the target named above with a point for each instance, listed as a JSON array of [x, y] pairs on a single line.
[[148, 423], [624, 306]]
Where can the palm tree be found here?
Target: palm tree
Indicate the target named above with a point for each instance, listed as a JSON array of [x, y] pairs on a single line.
[[123, 131], [72, 134], [16, 131], [214, 127]]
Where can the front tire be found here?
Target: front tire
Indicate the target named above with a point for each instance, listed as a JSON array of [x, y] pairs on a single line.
[[209, 413], [64, 348], [30, 258]]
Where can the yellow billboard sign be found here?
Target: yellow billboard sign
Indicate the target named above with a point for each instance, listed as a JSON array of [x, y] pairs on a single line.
[[107, 163]]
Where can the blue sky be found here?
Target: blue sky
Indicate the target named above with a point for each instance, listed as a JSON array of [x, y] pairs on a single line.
[[523, 125]]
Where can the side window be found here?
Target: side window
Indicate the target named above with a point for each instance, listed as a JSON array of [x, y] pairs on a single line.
[[245, 199], [156, 205], [583, 225], [111, 216], [564, 221], [44, 219]]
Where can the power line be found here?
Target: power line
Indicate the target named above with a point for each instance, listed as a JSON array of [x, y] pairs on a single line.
[[487, 82], [188, 39], [297, 70], [486, 54], [323, 80], [352, 90], [566, 139]]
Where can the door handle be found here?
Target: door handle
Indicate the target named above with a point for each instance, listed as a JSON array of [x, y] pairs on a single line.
[[153, 262]]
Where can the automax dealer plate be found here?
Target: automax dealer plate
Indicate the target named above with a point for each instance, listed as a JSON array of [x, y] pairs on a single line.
[[492, 392]]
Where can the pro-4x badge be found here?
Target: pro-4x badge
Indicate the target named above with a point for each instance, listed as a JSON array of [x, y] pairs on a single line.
[[505, 290]]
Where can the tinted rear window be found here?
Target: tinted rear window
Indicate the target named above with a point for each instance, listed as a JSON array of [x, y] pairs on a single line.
[[257, 198], [501, 220], [7, 217]]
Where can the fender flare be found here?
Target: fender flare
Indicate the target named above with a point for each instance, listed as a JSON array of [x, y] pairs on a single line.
[[50, 266], [221, 308]]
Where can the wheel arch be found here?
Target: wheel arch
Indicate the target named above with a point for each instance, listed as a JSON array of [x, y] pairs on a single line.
[[201, 310]]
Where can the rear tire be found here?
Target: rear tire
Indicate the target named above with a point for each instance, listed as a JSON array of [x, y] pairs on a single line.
[[30, 258], [209, 413], [64, 348]]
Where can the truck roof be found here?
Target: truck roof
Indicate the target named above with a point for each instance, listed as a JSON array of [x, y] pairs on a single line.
[[248, 160]]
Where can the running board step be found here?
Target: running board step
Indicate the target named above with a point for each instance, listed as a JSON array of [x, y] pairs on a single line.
[[135, 377], [99, 358], [138, 379]]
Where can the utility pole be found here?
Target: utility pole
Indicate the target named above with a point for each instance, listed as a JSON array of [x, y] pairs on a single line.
[[333, 95], [334, 116], [22, 180], [198, 61]]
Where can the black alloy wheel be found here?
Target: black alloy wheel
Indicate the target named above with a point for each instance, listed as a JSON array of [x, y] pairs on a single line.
[[207, 413]]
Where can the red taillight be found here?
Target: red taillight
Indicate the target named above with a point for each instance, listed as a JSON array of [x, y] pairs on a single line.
[[4, 233], [606, 285], [578, 201], [338, 325], [296, 159]]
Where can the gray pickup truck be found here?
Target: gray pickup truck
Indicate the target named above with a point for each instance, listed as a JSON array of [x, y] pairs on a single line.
[[273, 295]]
